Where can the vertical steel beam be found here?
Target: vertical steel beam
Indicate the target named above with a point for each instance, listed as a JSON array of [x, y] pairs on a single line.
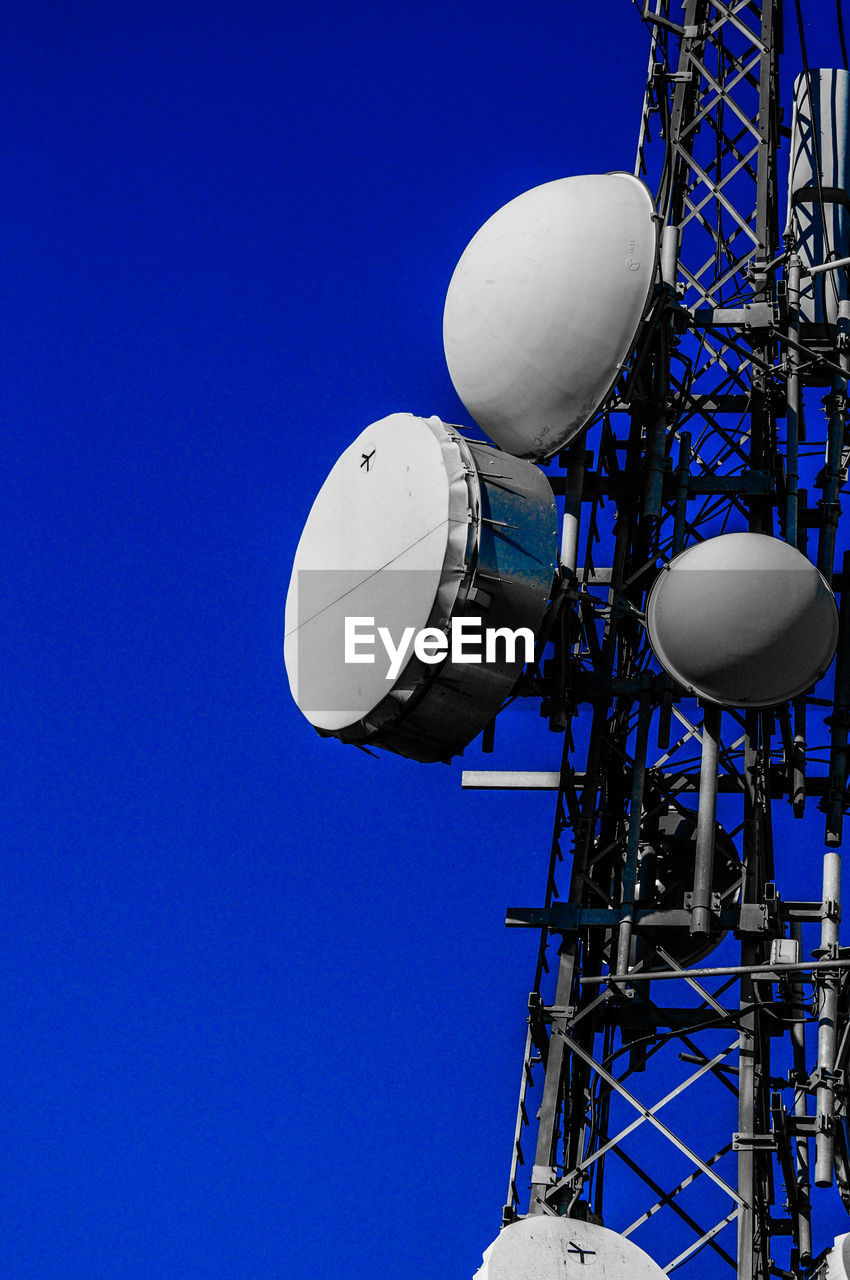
[[827, 988], [792, 455], [543, 1174], [801, 1080], [748, 1043]]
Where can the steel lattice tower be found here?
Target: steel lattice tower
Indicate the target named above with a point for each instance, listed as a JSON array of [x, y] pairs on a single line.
[[659, 960]]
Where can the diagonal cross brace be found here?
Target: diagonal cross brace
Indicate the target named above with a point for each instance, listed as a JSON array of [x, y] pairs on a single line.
[[706, 1239], [650, 1112], [667, 1200], [647, 1114]]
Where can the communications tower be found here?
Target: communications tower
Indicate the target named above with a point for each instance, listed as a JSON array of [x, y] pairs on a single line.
[[660, 341], [689, 987]]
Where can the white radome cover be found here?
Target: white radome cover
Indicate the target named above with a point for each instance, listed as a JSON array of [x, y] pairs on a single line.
[[743, 620], [544, 306], [548, 1248], [386, 536]]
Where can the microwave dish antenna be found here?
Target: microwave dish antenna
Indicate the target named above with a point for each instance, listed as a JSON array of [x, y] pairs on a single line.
[[414, 528], [744, 620], [544, 306], [544, 1248]]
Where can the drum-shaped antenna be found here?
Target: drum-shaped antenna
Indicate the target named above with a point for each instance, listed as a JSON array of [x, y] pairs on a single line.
[[545, 304], [541, 1247], [743, 620], [416, 528]]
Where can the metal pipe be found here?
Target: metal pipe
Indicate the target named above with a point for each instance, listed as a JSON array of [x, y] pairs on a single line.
[[657, 433], [801, 1076], [682, 474], [670, 240], [798, 771], [624, 938], [755, 852], [827, 1017], [572, 511], [827, 266], [706, 834], [793, 408], [803, 508], [746, 1124]]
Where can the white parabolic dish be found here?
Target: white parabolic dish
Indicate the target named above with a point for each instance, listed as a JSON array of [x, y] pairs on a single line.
[[743, 620], [386, 519], [544, 306], [546, 1248]]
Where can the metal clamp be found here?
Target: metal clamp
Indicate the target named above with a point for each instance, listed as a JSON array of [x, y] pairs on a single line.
[[832, 951], [753, 918], [714, 905], [557, 1012], [823, 1076], [754, 1142]]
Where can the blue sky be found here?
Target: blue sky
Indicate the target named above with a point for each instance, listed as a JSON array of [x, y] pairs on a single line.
[[259, 1016]]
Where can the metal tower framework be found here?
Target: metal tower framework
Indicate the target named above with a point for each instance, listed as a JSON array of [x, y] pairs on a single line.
[[673, 954]]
